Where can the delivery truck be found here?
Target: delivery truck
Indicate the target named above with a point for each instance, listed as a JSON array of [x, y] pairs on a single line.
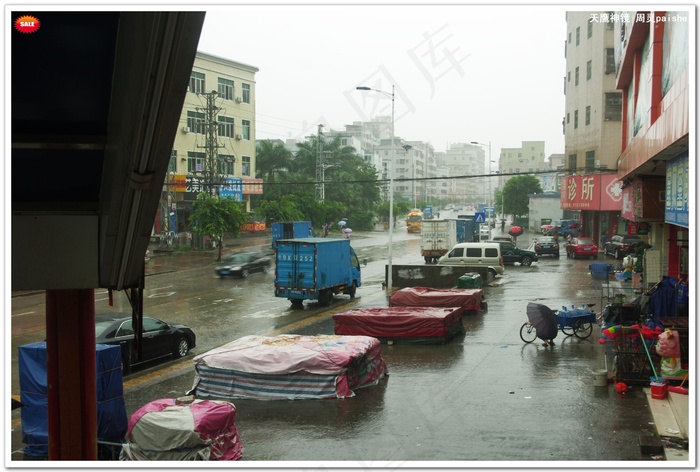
[[315, 269], [439, 236]]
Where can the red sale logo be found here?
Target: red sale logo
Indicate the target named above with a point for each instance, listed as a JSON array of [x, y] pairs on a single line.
[[27, 24]]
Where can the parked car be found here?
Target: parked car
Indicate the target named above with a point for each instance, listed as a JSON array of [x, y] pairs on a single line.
[[484, 233], [512, 254], [480, 254], [581, 247], [242, 264], [621, 245], [502, 238], [546, 245], [159, 338]]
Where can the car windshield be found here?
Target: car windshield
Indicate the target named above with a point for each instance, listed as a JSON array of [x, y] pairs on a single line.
[[102, 327], [585, 241], [239, 258], [545, 240]]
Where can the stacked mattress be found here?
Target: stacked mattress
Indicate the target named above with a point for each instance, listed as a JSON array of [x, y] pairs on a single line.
[[469, 300]]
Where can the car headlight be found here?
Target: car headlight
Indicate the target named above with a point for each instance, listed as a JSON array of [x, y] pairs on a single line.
[[236, 268]]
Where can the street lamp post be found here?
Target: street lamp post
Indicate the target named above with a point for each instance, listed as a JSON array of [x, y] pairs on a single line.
[[407, 147], [489, 177], [389, 280]]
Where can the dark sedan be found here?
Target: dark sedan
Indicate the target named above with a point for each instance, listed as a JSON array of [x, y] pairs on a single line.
[[621, 245], [582, 247], [546, 245], [512, 254], [242, 264], [159, 339]]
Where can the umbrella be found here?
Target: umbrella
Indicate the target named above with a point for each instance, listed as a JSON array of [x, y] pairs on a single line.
[[543, 319], [342, 223], [515, 231], [348, 230]]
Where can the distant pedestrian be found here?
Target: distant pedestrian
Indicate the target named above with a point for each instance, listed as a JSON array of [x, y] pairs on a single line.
[[503, 226], [603, 240]]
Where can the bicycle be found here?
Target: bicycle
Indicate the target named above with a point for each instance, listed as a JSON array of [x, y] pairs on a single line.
[[576, 322]]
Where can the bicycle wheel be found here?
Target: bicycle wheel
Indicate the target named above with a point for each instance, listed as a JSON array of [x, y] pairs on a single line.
[[583, 329], [528, 333], [568, 330]]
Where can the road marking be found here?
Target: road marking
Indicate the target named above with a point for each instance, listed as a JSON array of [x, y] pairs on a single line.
[[25, 313]]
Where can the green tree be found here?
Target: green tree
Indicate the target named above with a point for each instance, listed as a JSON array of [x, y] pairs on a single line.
[[284, 209], [271, 159], [216, 217], [515, 193]]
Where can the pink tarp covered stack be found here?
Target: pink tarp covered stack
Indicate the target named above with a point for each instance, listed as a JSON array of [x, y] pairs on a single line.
[[169, 430], [289, 367], [466, 299], [396, 324]]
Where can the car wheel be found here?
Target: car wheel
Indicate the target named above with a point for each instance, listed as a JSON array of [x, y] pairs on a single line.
[[492, 274], [244, 273], [617, 254], [526, 261], [126, 360], [182, 348]]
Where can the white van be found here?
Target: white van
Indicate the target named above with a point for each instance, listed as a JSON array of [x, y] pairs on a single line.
[[475, 255]]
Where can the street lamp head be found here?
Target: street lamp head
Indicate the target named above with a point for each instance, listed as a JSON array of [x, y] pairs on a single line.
[[362, 88]]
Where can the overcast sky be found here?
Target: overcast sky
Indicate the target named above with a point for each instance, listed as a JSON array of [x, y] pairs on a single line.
[[461, 73]]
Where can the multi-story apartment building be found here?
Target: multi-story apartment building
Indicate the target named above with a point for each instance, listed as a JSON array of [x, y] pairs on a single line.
[[652, 72], [592, 125], [464, 160], [214, 149]]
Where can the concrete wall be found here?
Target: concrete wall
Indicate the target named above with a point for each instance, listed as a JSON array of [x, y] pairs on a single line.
[[430, 275]]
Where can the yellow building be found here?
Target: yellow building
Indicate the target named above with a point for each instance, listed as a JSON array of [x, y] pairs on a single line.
[[214, 149]]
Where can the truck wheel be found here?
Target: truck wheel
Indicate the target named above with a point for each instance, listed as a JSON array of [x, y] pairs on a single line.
[[526, 261], [352, 290], [428, 259]]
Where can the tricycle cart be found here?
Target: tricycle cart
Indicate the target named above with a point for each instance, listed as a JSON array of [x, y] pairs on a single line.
[[575, 322]]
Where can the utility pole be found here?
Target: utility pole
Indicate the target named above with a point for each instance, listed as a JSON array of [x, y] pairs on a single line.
[[319, 166], [212, 177]]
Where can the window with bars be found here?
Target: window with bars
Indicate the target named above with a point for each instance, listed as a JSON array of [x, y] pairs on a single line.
[[576, 77], [572, 162], [195, 162], [245, 90], [588, 115], [578, 35], [225, 164], [195, 121], [226, 89], [590, 161], [197, 82], [226, 126], [609, 60], [245, 129], [172, 163], [245, 166], [613, 106], [589, 32], [589, 67], [575, 119]]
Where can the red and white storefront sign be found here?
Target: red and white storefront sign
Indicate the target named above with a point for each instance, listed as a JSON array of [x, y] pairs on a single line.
[[599, 192]]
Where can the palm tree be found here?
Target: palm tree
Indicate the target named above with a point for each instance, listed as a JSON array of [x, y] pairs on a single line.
[[271, 158]]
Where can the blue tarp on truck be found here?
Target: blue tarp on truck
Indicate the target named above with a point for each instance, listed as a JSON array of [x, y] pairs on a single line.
[[112, 421], [315, 269], [291, 230]]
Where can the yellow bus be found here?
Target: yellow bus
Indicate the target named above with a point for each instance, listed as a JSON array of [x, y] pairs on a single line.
[[413, 221]]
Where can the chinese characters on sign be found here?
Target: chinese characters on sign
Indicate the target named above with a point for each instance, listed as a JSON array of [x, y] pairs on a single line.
[[591, 192], [639, 17], [677, 191]]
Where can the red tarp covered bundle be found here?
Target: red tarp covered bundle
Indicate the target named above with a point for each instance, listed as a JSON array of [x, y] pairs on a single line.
[[465, 298], [203, 430], [421, 324]]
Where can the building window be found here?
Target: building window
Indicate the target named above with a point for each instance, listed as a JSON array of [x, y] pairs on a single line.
[[172, 163], [589, 67], [590, 161], [195, 122], [226, 89], [568, 76], [245, 89], [226, 126], [589, 33], [569, 37], [575, 119], [245, 128], [609, 60], [197, 82], [578, 35], [195, 162], [225, 164], [245, 166], [576, 77], [572, 163], [613, 106], [568, 116], [588, 115]]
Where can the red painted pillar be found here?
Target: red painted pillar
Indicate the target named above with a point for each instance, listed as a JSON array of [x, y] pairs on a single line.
[[71, 374]]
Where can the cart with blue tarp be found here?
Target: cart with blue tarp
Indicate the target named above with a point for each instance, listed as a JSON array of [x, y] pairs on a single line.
[[576, 321], [112, 421]]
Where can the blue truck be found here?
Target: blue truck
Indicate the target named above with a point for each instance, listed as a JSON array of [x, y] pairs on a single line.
[[291, 230], [428, 212], [315, 269]]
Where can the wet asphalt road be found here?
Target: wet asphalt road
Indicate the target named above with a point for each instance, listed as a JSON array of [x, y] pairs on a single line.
[[484, 396]]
